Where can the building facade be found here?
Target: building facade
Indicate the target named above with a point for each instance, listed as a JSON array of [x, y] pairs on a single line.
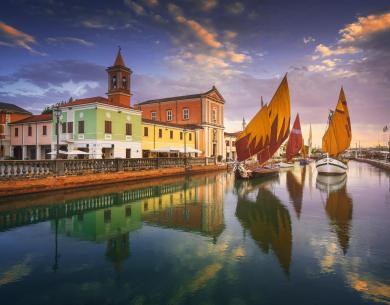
[[31, 138], [159, 135], [230, 153], [103, 127], [9, 113], [204, 110]]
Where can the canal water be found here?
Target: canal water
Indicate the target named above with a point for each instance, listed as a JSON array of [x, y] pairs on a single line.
[[293, 239]]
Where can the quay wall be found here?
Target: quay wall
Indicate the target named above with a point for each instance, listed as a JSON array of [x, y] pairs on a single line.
[[12, 187], [378, 163]]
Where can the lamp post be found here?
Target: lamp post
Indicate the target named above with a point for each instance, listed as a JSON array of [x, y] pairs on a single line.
[[57, 112], [185, 147]]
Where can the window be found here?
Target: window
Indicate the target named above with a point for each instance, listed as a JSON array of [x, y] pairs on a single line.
[[107, 216], [233, 143], [107, 126], [128, 153], [153, 115], [1, 128], [70, 127], [129, 129], [190, 136], [160, 133], [63, 127], [128, 211], [146, 131], [169, 115], [146, 206], [171, 134], [181, 135], [227, 143], [16, 132], [44, 130], [29, 131], [214, 116], [214, 135], [124, 82], [81, 126], [114, 82], [186, 114]]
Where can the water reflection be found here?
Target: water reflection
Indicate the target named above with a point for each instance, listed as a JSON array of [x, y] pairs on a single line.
[[338, 206], [295, 189], [268, 222]]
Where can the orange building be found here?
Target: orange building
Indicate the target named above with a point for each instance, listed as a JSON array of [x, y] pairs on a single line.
[[9, 113], [205, 110]]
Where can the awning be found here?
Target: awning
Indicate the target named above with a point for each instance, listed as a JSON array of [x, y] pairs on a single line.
[[77, 152], [61, 152], [168, 149]]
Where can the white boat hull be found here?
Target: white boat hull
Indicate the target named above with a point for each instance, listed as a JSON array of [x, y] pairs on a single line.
[[330, 166]]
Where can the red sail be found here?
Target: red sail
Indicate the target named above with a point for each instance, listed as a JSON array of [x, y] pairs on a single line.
[[294, 144]]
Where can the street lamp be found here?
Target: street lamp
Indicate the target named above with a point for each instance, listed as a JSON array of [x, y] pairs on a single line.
[[57, 112]]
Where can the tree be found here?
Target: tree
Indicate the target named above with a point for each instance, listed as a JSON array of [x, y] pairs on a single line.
[[47, 110]]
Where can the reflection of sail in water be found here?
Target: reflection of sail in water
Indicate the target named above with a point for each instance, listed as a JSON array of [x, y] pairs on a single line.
[[269, 224], [338, 206], [295, 190]]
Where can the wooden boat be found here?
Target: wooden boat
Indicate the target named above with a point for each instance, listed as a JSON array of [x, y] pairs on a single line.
[[267, 130], [336, 139]]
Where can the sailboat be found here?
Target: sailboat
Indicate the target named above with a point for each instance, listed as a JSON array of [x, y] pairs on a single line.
[[294, 144], [264, 134], [336, 139]]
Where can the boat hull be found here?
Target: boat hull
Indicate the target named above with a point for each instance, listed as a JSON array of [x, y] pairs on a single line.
[[330, 166]]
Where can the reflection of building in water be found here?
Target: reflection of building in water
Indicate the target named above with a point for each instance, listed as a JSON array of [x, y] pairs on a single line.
[[269, 224], [338, 206], [195, 207], [111, 224], [295, 190]]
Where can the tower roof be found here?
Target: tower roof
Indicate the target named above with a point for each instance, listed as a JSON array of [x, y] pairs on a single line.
[[119, 60]]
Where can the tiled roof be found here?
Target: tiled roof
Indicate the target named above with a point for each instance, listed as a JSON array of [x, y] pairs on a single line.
[[11, 108], [119, 60], [190, 126], [177, 98], [35, 118], [90, 100]]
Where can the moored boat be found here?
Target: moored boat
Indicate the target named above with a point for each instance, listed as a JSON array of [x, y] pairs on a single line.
[[336, 139], [265, 133]]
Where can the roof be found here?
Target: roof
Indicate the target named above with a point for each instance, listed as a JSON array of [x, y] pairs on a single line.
[[91, 100], [35, 118], [7, 107], [189, 126], [119, 60], [232, 134], [182, 97]]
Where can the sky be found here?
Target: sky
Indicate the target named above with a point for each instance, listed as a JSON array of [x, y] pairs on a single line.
[[53, 50]]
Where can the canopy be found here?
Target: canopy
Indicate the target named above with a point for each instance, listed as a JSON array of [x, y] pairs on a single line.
[[168, 149], [77, 152], [61, 152]]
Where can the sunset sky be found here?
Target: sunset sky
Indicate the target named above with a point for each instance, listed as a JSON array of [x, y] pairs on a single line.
[[51, 50]]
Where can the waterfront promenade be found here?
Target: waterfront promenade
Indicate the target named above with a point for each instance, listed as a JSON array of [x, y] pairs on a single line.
[[24, 177]]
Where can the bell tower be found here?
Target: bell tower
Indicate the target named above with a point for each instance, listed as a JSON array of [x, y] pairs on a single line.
[[119, 82]]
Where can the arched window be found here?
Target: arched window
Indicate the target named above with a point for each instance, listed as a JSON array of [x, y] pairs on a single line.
[[124, 82], [114, 84]]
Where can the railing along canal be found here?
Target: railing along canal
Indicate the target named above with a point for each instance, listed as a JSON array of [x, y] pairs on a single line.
[[45, 168]]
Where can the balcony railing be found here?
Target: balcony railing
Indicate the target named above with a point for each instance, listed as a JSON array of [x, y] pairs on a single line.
[[26, 169]]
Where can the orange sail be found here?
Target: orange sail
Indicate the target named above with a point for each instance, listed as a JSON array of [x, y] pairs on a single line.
[[295, 143], [268, 129], [337, 137], [255, 136]]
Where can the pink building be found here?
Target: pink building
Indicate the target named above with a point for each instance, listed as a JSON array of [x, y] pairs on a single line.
[[31, 138]]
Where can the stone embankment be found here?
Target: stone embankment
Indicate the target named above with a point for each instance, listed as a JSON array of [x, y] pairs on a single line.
[[378, 163]]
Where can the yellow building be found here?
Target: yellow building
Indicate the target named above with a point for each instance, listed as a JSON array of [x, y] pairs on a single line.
[[167, 139]]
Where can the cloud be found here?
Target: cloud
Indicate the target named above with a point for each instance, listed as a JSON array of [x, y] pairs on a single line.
[[201, 32], [230, 35], [325, 51], [308, 39], [365, 27], [151, 2], [137, 8], [64, 40], [236, 8], [208, 5], [330, 63], [11, 37]]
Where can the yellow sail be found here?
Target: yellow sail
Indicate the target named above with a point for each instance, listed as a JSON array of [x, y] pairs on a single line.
[[337, 137]]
